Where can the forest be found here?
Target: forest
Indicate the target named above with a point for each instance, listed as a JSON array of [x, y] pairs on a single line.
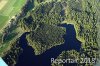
[[42, 22]]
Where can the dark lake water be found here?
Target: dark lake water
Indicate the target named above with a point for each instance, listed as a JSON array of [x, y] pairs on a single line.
[[28, 57]]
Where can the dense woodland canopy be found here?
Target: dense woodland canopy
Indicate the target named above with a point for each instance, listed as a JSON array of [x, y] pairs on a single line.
[[41, 17]]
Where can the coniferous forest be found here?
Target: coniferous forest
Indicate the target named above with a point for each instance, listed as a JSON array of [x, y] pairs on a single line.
[[41, 18]]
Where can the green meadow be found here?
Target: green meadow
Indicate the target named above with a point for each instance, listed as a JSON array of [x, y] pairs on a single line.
[[10, 9]]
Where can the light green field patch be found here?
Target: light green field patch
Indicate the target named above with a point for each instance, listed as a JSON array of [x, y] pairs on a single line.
[[3, 20], [11, 8], [19, 3], [8, 8], [17, 6], [2, 3], [8, 11]]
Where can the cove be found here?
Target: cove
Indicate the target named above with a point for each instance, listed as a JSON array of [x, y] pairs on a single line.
[[28, 57]]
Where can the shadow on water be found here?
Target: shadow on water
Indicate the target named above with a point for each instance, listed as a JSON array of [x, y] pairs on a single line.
[[28, 57]]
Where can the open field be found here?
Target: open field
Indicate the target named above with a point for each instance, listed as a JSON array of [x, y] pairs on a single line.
[[2, 3], [8, 9]]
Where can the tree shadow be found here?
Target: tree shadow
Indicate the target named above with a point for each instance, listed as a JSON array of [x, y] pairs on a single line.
[[28, 57]]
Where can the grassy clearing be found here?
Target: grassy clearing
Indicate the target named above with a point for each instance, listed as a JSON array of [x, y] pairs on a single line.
[[7, 8], [11, 8], [2, 3], [3, 20]]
